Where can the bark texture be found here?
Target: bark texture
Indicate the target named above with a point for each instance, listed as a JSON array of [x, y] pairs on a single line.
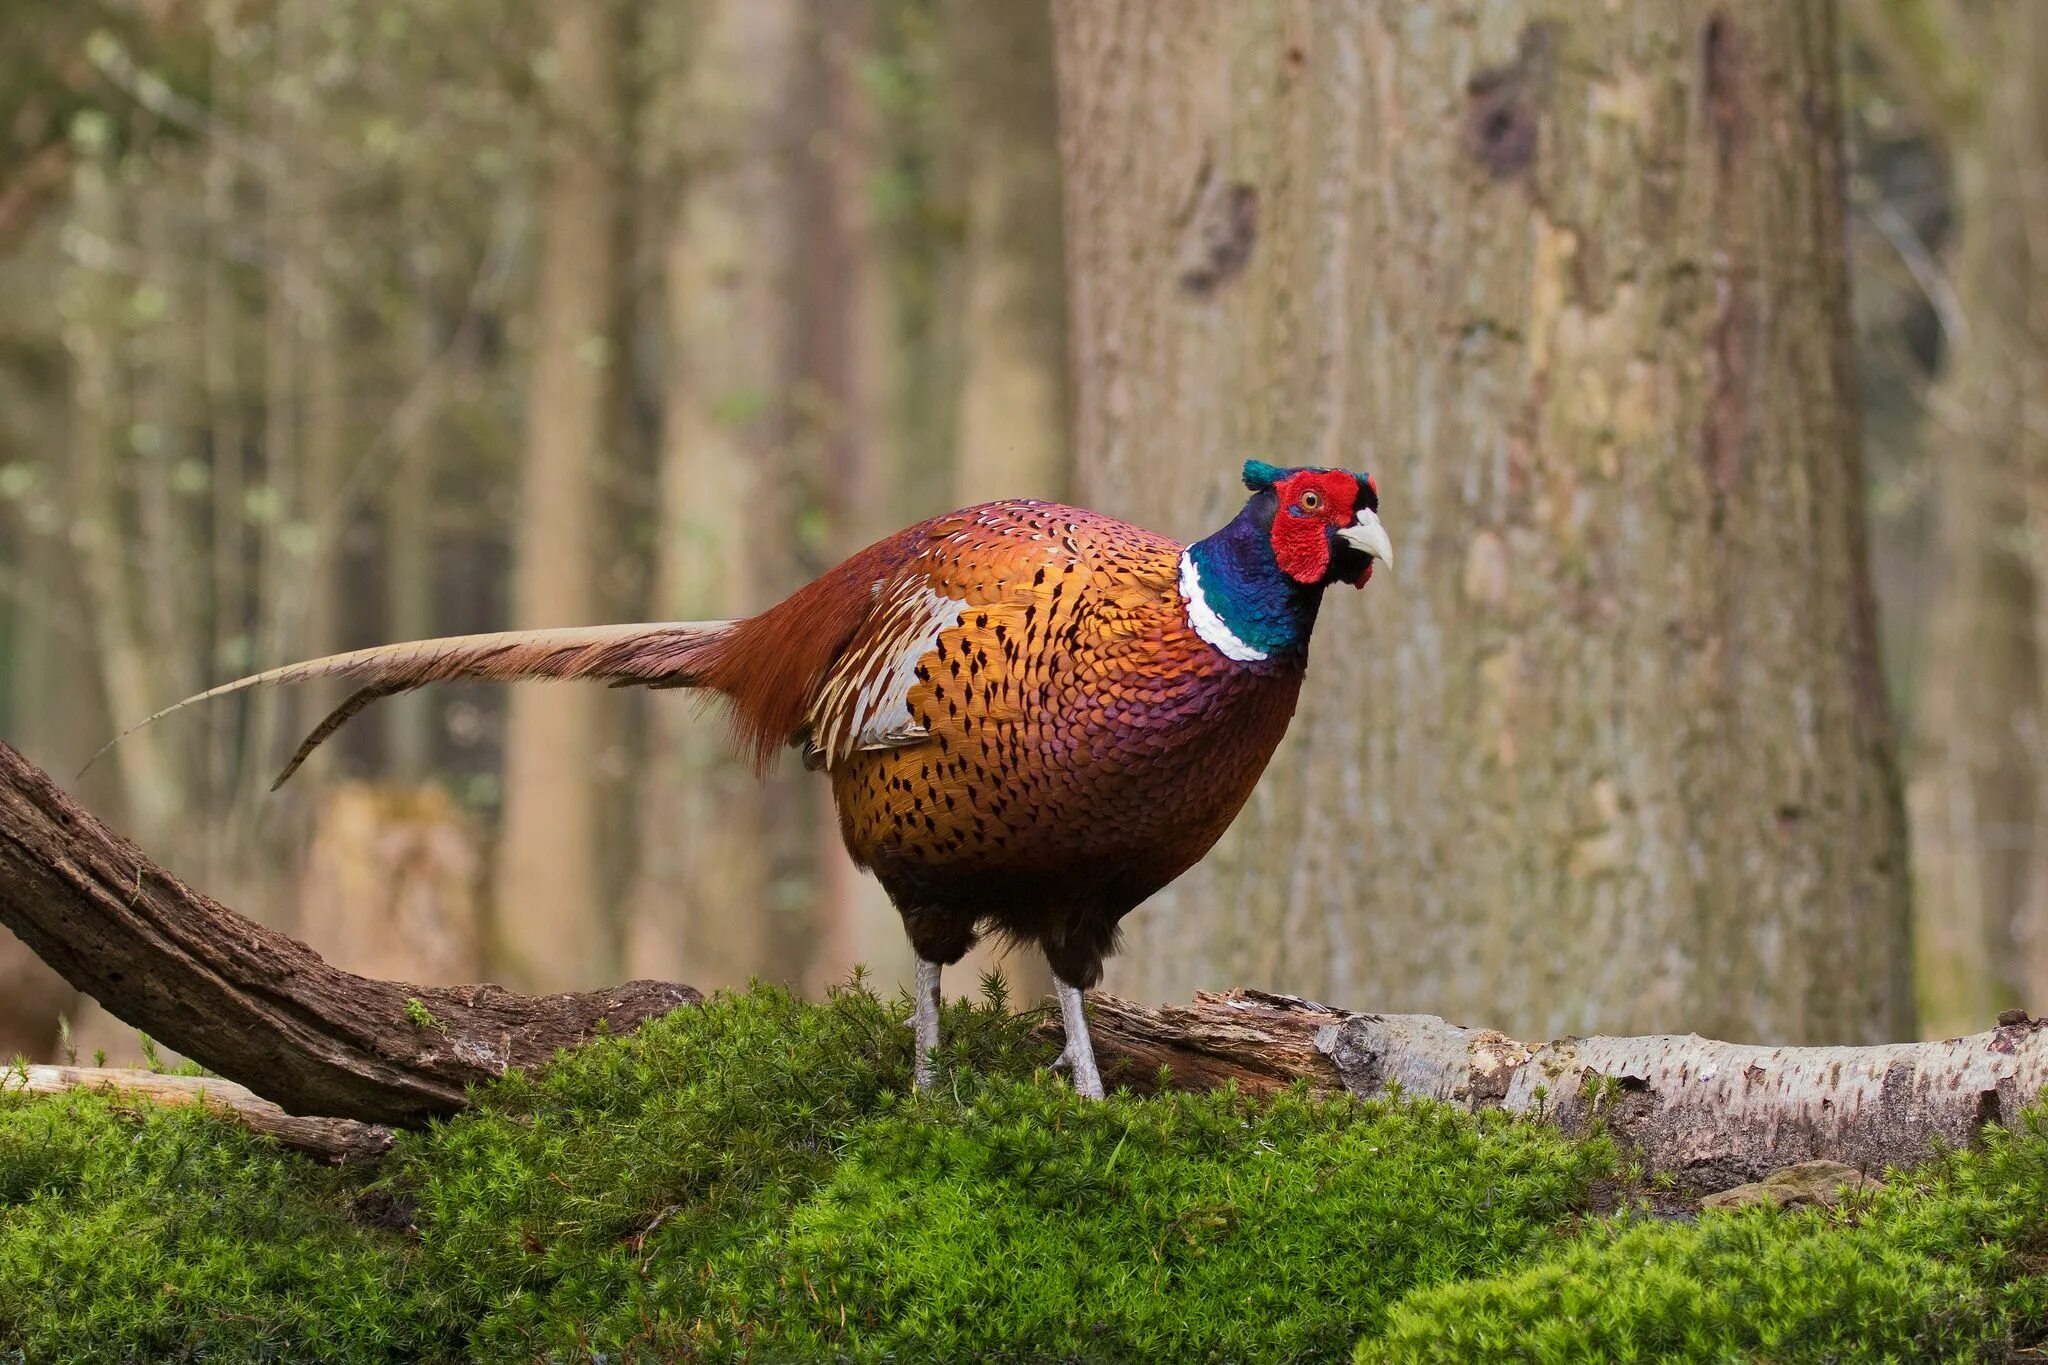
[[1717, 1113], [550, 885], [1609, 749], [253, 1005]]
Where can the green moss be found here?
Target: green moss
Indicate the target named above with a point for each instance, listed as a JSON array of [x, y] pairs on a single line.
[[420, 1017], [129, 1232], [752, 1180], [707, 1127], [1036, 1225], [1943, 1265]]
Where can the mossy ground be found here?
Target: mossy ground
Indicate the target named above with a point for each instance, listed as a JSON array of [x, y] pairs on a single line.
[[751, 1180]]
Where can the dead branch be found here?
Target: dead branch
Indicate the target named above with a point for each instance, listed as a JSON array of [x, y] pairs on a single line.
[[336, 1140], [253, 1005]]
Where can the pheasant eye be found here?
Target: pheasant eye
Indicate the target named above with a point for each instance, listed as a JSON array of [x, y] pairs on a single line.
[[1311, 501]]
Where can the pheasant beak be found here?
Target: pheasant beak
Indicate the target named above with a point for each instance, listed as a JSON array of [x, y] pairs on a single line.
[[1367, 536]]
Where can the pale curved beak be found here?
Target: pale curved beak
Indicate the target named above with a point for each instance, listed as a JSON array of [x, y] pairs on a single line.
[[1368, 535]]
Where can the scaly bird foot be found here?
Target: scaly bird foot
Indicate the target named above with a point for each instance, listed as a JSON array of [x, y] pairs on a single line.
[[1079, 1057], [924, 1021]]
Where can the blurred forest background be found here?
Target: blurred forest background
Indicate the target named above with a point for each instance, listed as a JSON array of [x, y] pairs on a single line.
[[332, 322]]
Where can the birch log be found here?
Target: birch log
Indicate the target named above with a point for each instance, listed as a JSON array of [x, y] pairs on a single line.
[[1718, 1113]]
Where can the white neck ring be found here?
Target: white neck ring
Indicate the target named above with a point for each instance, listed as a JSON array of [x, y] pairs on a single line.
[[1203, 617]]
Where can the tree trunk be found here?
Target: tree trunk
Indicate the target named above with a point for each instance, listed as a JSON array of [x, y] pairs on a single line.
[[129, 663], [549, 894], [409, 567], [1979, 809], [706, 903], [1610, 748], [335, 1140], [51, 650], [1013, 397], [1717, 1113], [392, 883]]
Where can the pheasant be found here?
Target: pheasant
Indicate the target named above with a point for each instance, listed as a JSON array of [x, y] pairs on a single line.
[[1033, 716]]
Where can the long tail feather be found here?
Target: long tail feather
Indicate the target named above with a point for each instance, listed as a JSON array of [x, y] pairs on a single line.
[[662, 654]]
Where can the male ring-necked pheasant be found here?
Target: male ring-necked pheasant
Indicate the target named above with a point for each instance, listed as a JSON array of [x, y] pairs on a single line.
[[1033, 716]]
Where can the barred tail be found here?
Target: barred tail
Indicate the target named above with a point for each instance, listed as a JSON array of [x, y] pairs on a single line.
[[647, 654]]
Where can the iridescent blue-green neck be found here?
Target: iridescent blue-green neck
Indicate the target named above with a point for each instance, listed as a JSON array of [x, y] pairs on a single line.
[[1236, 577]]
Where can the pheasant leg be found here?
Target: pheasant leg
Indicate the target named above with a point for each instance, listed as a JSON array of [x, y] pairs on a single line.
[[1079, 1058], [924, 1019]]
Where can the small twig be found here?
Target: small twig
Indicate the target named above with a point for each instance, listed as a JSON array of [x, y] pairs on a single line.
[[639, 1239]]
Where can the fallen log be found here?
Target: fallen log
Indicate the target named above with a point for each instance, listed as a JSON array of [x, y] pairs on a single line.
[[260, 1009], [1718, 1113], [335, 1140], [253, 1005]]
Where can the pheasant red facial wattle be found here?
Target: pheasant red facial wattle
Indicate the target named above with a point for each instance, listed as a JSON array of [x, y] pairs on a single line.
[[1033, 716], [1311, 504]]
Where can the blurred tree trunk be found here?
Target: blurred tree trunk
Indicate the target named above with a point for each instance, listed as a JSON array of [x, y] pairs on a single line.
[[391, 885], [1012, 439], [227, 427], [39, 723], [549, 885], [409, 571], [845, 352], [707, 902], [1610, 748], [130, 661], [1013, 408], [1980, 74]]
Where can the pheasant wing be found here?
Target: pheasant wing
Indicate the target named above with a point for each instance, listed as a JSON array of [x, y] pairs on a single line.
[[985, 611]]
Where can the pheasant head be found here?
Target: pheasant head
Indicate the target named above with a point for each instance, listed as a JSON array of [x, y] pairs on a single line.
[[1253, 589]]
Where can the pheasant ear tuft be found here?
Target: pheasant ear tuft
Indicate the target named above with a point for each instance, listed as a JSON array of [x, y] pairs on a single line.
[[1259, 476]]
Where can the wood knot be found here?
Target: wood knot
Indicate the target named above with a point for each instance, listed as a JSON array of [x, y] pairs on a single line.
[[1502, 116], [1220, 233]]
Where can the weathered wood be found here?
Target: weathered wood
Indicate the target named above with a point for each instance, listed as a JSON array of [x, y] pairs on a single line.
[[1256, 1041], [1718, 1113], [336, 1140], [252, 1004]]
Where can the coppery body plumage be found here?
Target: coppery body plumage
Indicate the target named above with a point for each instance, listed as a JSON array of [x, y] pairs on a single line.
[[1085, 746], [1033, 716]]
